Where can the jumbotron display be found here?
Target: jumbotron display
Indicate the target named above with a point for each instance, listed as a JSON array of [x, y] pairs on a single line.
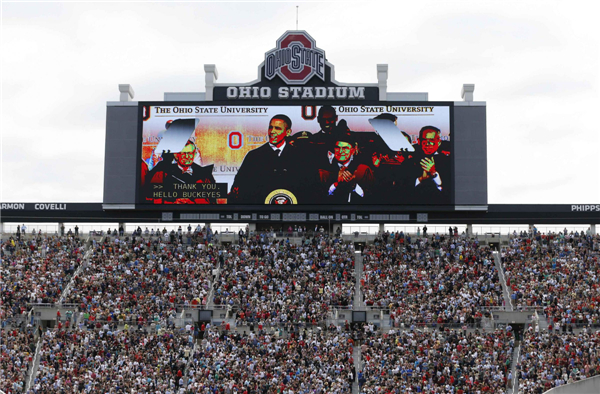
[[394, 153]]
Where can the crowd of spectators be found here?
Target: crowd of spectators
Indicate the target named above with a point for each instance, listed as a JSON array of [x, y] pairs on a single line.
[[550, 359], [276, 281], [436, 362], [444, 281], [136, 280], [16, 357], [198, 234], [431, 280], [105, 361], [302, 363], [36, 270], [559, 273]]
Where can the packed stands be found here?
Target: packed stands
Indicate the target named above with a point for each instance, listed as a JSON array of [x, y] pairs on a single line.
[[276, 282], [278, 294], [101, 361], [36, 270], [436, 362], [559, 273], [266, 362], [437, 280], [137, 280], [550, 359], [17, 349]]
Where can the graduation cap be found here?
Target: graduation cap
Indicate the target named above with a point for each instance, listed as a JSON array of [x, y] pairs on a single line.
[[177, 135], [390, 133]]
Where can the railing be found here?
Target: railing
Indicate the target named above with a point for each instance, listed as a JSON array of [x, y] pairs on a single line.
[[514, 382], [70, 305], [529, 308], [321, 323], [344, 307], [333, 314], [497, 308], [189, 361], [481, 308], [504, 284], [35, 360], [220, 306], [579, 325], [42, 304], [12, 321], [29, 314], [77, 272], [192, 306], [437, 326], [162, 323], [211, 294], [586, 386]]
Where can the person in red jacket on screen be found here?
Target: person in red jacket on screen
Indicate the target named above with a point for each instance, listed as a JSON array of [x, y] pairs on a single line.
[[178, 168]]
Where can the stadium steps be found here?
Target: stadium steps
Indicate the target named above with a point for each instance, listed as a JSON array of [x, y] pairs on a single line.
[[356, 354], [514, 387], [216, 274], [189, 362], [36, 364], [508, 305], [209, 301], [359, 303], [84, 262], [487, 323]]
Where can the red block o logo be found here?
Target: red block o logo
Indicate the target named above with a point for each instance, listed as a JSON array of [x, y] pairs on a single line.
[[235, 140], [296, 59]]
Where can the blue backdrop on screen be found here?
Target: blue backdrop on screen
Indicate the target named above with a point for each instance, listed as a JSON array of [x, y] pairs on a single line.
[[390, 153]]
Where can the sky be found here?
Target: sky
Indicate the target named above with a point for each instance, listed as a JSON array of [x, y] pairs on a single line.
[[535, 63]]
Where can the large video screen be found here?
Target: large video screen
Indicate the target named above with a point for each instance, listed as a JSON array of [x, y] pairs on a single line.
[[395, 153]]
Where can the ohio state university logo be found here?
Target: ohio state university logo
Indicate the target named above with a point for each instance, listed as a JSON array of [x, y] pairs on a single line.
[[295, 59]]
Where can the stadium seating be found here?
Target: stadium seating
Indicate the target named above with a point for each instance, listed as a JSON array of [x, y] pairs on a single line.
[[277, 335], [102, 361], [446, 280], [17, 349], [550, 359], [139, 280], [436, 362], [558, 273], [280, 282], [313, 362], [36, 270]]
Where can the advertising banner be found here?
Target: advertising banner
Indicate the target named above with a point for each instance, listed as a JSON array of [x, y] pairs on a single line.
[[392, 153]]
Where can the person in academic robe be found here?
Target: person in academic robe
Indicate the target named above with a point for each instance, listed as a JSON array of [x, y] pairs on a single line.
[[273, 172], [346, 179]]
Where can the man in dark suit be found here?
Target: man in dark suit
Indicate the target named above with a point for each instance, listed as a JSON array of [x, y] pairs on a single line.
[[346, 179], [432, 168], [270, 174], [327, 119]]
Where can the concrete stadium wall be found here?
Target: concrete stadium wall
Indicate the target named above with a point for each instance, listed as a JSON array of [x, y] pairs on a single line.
[[587, 386], [121, 152], [470, 155]]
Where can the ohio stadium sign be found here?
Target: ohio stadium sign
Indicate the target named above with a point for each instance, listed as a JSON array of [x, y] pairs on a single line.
[[296, 70], [295, 136], [296, 59]]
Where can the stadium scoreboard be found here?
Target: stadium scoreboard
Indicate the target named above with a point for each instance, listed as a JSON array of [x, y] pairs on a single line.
[[296, 144]]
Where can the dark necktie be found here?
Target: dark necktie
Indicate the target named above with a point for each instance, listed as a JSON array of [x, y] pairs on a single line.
[[277, 152]]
